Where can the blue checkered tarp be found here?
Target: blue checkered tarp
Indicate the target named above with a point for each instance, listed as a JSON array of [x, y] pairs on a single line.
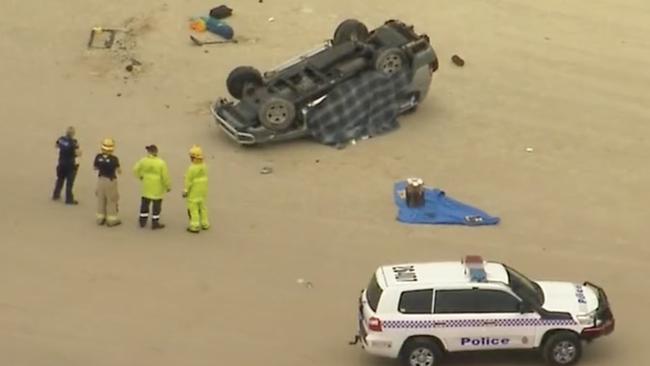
[[364, 106]]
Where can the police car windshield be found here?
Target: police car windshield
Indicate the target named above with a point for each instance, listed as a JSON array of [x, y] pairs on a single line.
[[526, 289]]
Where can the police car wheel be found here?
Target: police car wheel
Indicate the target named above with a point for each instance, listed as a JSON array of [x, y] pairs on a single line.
[[562, 349], [421, 353]]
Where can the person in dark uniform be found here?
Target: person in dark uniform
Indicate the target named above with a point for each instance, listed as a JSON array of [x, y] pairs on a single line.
[[108, 167], [66, 170]]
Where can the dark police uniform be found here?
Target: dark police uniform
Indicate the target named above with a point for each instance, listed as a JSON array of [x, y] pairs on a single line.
[[66, 170], [107, 192]]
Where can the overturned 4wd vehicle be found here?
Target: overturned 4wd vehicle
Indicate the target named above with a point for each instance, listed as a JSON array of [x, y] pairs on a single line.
[[354, 85]]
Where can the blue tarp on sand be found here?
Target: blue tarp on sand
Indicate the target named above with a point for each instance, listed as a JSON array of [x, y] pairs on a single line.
[[439, 209]]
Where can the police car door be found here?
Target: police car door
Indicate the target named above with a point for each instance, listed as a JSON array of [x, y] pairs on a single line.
[[455, 319], [504, 324]]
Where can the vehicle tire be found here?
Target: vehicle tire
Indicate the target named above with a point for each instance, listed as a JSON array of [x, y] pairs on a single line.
[[350, 30], [390, 61], [421, 352], [562, 349], [276, 114], [241, 77]]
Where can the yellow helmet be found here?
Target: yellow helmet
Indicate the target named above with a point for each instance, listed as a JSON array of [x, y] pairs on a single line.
[[108, 145], [196, 152]]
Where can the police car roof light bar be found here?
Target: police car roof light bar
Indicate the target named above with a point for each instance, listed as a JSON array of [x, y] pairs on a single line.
[[475, 265]]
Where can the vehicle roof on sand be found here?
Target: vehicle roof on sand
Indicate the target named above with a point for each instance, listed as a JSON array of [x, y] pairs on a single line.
[[436, 273]]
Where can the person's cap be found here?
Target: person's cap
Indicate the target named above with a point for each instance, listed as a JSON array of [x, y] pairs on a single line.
[[152, 148]]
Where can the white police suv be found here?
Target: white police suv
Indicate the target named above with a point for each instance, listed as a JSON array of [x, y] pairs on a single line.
[[418, 312]]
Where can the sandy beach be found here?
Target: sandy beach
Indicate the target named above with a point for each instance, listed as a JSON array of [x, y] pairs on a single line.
[[567, 79]]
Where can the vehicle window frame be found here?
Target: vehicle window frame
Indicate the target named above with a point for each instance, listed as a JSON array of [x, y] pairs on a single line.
[[538, 300], [474, 306], [518, 301], [447, 290], [401, 296]]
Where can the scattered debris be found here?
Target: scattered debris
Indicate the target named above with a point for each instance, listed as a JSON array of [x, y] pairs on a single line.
[[266, 170], [547, 38], [271, 19], [119, 59], [199, 42], [118, 95], [198, 25], [167, 106], [221, 12], [132, 63], [214, 25], [261, 1], [302, 281], [109, 36], [457, 61], [317, 161], [414, 192], [530, 149]]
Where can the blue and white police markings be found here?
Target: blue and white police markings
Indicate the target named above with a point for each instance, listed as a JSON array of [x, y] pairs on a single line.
[[580, 294], [484, 341]]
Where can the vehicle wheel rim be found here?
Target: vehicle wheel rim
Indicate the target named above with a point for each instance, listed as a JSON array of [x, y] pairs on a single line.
[[277, 113], [421, 357], [356, 35], [564, 352], [391, 64]]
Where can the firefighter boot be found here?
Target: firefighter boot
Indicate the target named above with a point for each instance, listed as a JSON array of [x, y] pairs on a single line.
[[143, 220], [113, 222], [155, 225]]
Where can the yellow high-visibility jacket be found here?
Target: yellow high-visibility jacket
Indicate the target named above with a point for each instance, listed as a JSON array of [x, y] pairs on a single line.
[[196, 182], [153, 173]]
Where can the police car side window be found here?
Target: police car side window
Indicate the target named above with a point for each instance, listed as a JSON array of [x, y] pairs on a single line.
[[416, 302], [455, 301], [475, 301], [495, 301]]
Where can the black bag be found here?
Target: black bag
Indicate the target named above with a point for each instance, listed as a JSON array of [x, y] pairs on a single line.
[[220, 12]]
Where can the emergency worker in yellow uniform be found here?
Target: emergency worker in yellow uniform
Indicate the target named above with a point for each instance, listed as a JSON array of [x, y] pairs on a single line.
[[154, 175], [108, 167], [196, 191]]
